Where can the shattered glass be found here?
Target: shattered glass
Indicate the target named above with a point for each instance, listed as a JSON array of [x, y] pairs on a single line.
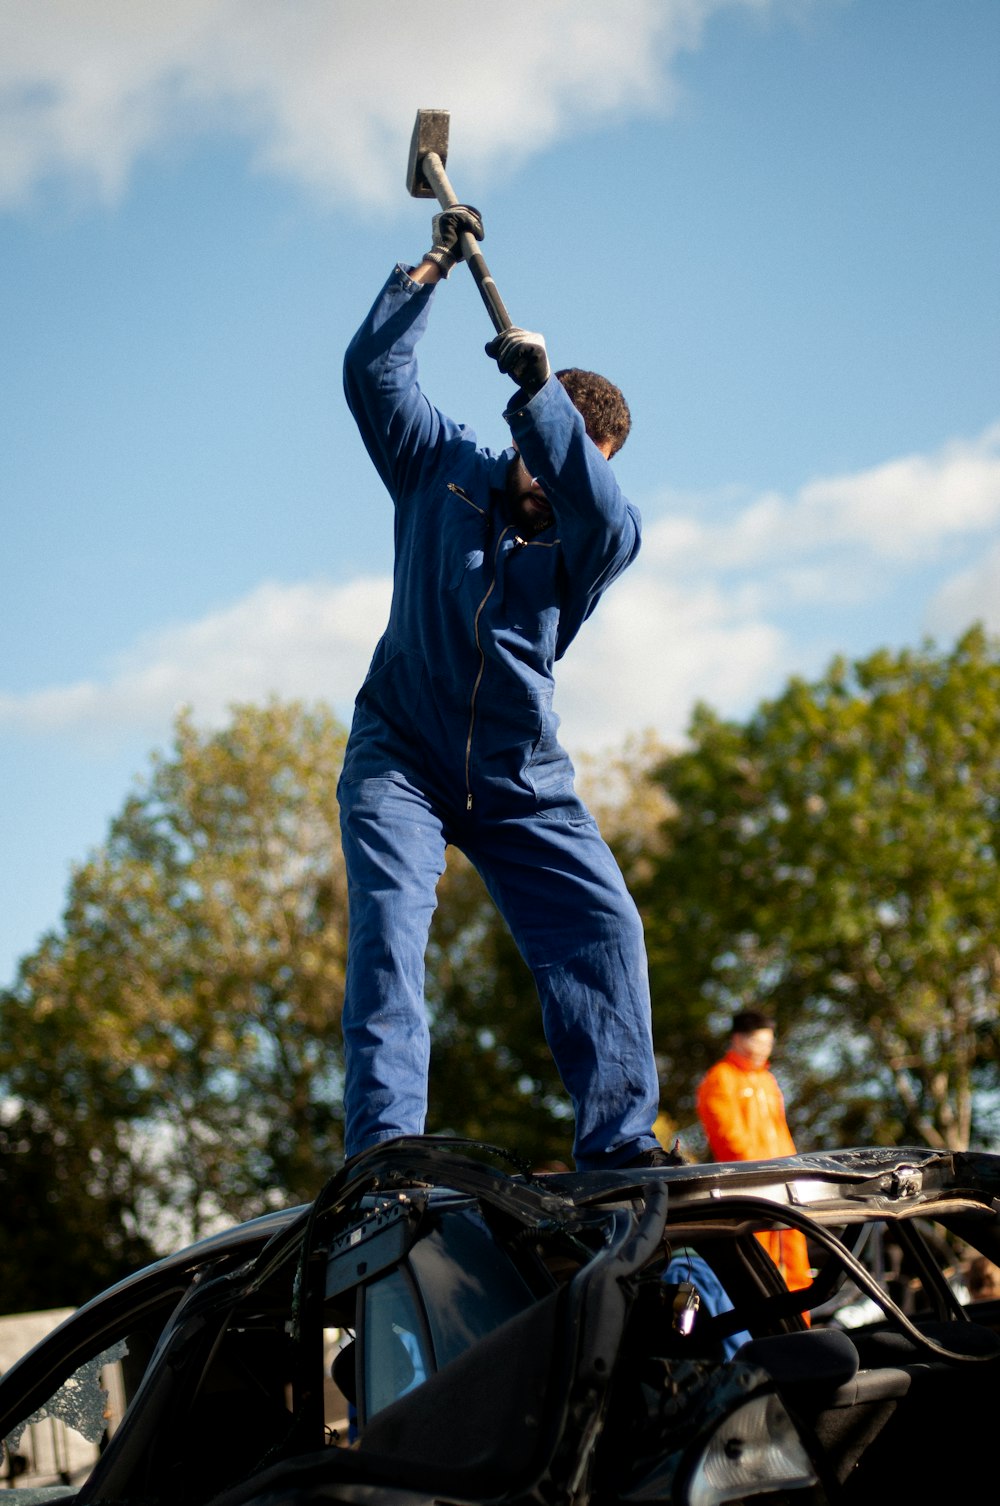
[[81, 1401]]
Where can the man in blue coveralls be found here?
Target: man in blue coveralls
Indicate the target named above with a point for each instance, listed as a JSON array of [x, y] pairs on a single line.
[[499, 559]]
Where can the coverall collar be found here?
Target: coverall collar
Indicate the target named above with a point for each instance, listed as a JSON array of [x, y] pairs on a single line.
[[500, 467]]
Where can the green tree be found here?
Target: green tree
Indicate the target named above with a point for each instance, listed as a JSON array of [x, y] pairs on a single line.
[[183, 1025], [53, 1251], [835, 860], [172, 1053]]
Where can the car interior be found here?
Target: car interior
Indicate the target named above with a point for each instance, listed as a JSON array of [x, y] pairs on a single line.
[[432, 1339]]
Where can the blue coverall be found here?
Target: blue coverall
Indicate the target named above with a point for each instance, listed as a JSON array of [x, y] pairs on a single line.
[[454, 740]]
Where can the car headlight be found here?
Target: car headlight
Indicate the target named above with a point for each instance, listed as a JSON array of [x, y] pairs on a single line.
[[755, 1449]]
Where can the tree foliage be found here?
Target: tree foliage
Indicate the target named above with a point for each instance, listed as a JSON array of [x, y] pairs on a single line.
[[835, 860], [53, 1251], [172, 1053], [183, 1024]]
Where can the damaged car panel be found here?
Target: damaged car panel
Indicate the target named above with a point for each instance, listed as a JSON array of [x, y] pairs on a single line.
[[444, 1324]]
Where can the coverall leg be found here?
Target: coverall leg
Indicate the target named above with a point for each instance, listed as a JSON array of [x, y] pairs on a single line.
[[561, 892], [394, 851]]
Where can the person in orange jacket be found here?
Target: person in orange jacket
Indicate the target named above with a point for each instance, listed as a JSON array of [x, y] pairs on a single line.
[[742, 1113]]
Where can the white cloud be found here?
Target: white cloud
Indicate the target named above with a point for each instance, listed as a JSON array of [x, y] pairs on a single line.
[[972, 595], [892, 514], [307, 641], [906, 508], [651, 650], [710, 611], [326, 90]]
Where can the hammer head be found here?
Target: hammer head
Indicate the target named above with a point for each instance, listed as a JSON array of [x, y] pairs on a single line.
[[430, 134]]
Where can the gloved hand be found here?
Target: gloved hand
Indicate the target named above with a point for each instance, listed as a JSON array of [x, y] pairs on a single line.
[[521, 355], [446, 227]]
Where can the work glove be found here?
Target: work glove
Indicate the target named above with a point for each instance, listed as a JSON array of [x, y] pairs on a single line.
[[446, 227], [522, 356]]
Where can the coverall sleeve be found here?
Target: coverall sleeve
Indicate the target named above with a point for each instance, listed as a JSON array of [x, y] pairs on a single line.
[[599, 529], [720, 1118], [402, 430]]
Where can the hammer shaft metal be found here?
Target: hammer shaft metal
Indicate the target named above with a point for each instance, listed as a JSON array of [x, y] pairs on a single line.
[[433, 170]]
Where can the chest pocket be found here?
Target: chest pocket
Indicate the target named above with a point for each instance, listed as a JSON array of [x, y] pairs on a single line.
[[530, 595], [465, 534]]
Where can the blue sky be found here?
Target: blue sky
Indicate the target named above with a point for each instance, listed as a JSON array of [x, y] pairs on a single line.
[[776, 223]]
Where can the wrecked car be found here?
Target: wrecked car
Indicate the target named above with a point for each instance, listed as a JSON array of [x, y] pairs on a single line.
[[444, 1324]]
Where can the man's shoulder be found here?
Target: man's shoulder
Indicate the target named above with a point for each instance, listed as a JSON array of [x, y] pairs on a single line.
[[463, 461]]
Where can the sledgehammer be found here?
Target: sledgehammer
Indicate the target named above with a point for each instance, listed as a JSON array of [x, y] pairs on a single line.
[[426, 179]]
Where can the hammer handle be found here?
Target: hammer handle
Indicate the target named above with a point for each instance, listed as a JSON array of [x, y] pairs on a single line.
[[433, 170]]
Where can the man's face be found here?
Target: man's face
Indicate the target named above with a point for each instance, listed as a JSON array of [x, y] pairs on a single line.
[[755, 1045], [526, 502]]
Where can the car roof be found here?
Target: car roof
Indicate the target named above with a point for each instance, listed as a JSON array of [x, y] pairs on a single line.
[[837, 1186]]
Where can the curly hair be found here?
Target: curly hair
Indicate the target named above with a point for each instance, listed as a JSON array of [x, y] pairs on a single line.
[[605, 411]]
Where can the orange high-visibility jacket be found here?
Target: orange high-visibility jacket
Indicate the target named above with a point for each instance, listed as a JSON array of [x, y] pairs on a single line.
[[743, 1114], [742, 1111]]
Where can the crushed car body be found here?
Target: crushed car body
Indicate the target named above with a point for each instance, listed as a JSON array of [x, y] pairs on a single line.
[[444, 1324]]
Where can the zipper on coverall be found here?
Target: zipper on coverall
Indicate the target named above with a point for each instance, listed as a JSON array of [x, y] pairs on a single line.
[[518, 544]]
